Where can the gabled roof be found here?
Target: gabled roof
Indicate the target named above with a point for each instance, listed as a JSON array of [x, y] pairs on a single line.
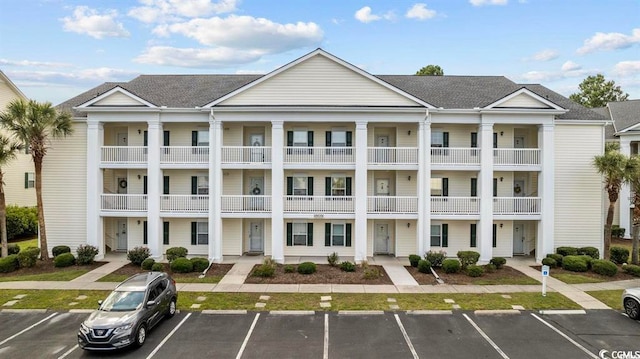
[[539, 101], [625, 114], [4, 78], [138, 101], [576, 111]]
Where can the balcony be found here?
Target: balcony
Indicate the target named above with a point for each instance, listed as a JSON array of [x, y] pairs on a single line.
[[319, 155], [516, 156], [184, 203], [246, 155], [455, 205], [392, 204], [392, 156], [123, 202], [246, 204], [319, 204], [184, 155], [455, 156], [516, 206], [121, 155]]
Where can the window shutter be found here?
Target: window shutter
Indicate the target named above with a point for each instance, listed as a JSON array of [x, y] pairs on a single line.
[[309, 186], [495, 235], [327, 234], [194, 138], [289, 138], [474, 139], [445, 187], [445, 235], [495, 140], [349, 138], [310, 234], [310, 138], [328, 139], [144, 185], [165, 141], [347, 234], [26, 180], [445, 139], [165, 185], [165, 232], [145, 233], [495, 187], [289, 186], [474, 187], [194, 233], [472, 235], [289, 234], [348, 185], [194, 185], [145, 139], [327, 186]]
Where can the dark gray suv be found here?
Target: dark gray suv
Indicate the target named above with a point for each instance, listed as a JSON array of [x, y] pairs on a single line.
[[129, 312]]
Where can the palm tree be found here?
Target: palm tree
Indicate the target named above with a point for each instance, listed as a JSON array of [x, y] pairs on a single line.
[[633, 179], [612, 165], [8, 150], [35, 124]]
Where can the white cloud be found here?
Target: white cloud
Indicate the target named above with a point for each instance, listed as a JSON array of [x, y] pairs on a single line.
[[155, 11], [609, 41], [251, 72], [570, 66], [627, 68], [488, 2], [419, 11], [568, 70], [545, 55], [100, 74], [90, 22], [195, 57], [365, 15], [25, 63]]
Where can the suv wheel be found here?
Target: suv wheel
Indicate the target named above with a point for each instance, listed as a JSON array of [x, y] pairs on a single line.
[[141, 335], [632, 308], [171, 311]]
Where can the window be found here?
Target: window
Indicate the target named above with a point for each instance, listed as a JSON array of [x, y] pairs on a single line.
[[474, 187], [300, 139], [299, 186], [437, 139], [29, 180], [165, 232], [299, 234], [338, 138], [337, 235], [203, 138], [203, 185], [439, 235], [199, 233], [440, 187], [473, 235], [338, 186]]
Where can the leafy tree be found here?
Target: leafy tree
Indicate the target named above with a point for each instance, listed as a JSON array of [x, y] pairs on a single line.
[[35, 124], [614, 166], [8, 151], [430, 70], [596, 92]]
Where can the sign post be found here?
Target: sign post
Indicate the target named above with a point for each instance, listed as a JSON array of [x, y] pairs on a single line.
[[545, 274]]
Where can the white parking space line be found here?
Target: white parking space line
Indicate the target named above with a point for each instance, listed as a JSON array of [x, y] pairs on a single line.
[[590, 354], [406, 337], [246, 339], [28, 328], [326, 336], [68, 352], [168, 336], [486, 337]]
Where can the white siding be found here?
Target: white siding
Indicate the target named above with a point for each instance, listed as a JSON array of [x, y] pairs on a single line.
[[231, 237], [319, 81], [406, 237], [523, 101], [117, 99], [231, 182]]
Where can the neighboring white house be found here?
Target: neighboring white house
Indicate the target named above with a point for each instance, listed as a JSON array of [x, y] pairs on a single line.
[[19, 174], [320, 156]]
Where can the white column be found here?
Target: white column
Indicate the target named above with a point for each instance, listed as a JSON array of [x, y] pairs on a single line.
[[424, 187], [624, 203], [215, 190], [154, 189], [95, 139], [360, 193], [546, 190], [277, 191], [485, 188]]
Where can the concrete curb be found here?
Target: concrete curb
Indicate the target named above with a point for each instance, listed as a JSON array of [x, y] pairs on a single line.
[[429, 312], [223, 311], [568, 311], [292, 312], [360, 312], [496, 312]]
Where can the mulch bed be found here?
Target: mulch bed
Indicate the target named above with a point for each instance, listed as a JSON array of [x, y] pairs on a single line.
[[462, 278], [215, 270], [619, 276], [42, 267], [325, 274]]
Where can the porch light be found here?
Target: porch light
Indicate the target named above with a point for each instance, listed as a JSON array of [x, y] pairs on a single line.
[[139, 131], [501, 178], [138, 222], [408, 178], [408, 224], [501, 133], [500, 224], [409, 133]]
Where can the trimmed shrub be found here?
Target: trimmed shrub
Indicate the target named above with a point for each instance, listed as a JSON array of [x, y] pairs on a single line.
[[333, 259], [567, 251], [9, 263], [592, 252], [157, 267], [604, 267], [587, 259], [22, 222], [575, 263], [632, 269], [451, 266], [617, 232], [306, 268], [199, 264], [557, 257], [64, 260], [548, 261], [414, 259], [371, 273], [57, 250], [265, 270], [435, 258], [138, 255], [176, 252], [499, 262], [181, 265], [289, 268], [148, 263], [13, 249], [468, 258], [490, 268], [86, 254], [424, 266], [619, 255], [347, 266], [474, 270], [28, 257]]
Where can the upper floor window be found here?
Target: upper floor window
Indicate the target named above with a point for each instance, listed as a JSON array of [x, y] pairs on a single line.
[[439, 138], [338, 138], [338, 186], [299, 186], [200, 138], [440, 187], [200, 185], [300, 139], [29, 180]]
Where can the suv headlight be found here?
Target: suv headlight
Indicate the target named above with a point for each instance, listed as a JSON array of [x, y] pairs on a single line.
[[123, 328], [83, 328]]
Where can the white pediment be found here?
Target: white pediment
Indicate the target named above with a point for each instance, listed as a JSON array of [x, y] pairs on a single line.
[[524, 98], [117, 97]]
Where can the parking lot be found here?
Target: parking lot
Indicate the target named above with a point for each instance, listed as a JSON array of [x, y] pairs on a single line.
[[457, 334]]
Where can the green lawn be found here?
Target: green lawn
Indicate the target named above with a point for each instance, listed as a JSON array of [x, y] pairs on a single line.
[[59, 275], [612, 298], [33, 242], [571, 278], [121, 277]]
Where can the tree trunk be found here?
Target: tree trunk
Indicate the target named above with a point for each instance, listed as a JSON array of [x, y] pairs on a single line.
[[634, 244], [3, 219], [607, 229], [44, 249]]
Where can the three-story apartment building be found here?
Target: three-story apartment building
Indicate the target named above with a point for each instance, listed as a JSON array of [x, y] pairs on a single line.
[[320, 156]]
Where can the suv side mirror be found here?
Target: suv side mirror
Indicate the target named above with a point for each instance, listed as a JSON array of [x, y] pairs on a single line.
[[151, 303], [99, 302]]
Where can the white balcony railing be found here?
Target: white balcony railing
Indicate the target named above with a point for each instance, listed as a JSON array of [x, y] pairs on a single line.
[[455, 205], [184, 154], [124, 154], [516, 205], [455, 156], [184, 203], [319, 204], [123, 202], [393, 155], [392, 204], [246, 154], [342, 155], [516, 156], [252, 204]]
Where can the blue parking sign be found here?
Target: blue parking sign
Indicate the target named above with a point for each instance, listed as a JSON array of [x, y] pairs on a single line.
[[545, 271]]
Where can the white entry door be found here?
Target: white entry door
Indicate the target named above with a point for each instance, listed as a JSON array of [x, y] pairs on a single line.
[[122, 185], [257, 154], [121, 235], [256, 190], [382, 190], [383, 154], [382, 238], [121, 141], [255, 237], [518, 238]]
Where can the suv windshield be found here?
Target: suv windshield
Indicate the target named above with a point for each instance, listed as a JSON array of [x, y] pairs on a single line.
[[122, 301]]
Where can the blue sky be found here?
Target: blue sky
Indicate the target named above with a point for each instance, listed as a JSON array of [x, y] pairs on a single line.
[[55, 49]]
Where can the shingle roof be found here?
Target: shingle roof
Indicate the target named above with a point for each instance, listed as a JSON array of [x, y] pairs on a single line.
[[625, 113], [576, 111], [609, 129]]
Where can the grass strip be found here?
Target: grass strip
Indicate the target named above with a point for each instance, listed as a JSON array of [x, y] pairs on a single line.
[[612, 298]]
